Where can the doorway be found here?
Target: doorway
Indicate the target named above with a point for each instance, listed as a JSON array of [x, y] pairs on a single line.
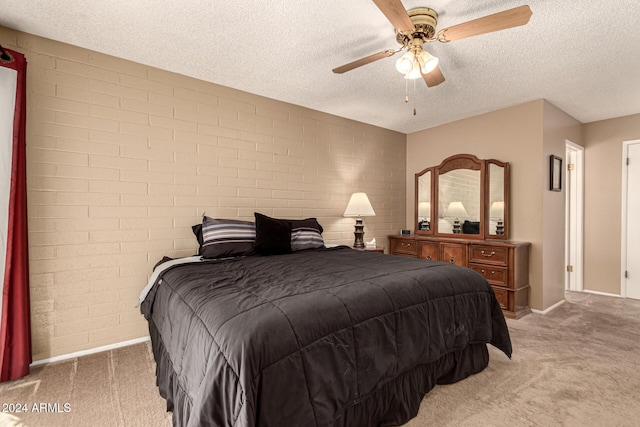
[[574, 215], [630, 286]]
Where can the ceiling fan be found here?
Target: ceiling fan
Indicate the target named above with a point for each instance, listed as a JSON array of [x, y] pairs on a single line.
[[417, 26]]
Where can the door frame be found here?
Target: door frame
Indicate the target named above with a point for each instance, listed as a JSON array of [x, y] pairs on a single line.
[[574, 214], [623, 228]]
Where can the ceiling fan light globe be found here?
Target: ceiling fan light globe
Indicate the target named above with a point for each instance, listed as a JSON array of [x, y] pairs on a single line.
[[430, 65], [405, 63], [414, 73], [428, 62], [404, 66]]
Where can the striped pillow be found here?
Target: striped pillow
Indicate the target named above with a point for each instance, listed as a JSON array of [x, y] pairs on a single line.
[[306, 234], [227, 237]]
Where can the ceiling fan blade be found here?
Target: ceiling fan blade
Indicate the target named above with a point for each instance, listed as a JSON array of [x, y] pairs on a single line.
[[396, 14], [498, 21], [434, 77], [363, 61]]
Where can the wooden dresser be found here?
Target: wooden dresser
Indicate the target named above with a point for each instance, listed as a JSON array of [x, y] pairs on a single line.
[[504, 264]]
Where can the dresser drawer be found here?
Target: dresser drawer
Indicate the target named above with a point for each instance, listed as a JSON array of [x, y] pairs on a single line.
[[454, 253], [404, 247], [489, 254], [494, 275], [429, 251]]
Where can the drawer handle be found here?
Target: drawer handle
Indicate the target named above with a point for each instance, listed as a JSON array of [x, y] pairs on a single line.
[[429, 258], [492, 271], [488, 255], [405, 245], [452, 260]]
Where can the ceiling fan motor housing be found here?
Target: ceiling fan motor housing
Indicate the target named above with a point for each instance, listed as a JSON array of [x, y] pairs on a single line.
[[424, 21]]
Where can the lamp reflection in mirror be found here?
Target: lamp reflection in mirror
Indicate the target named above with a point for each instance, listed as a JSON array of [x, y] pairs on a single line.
[[359, 206], [424, 216], [496, 212], [457, 211]]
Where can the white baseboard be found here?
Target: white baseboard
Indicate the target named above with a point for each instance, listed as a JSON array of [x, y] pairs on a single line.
[[601, 293], [550, 309], [89, 351], [586, 291]]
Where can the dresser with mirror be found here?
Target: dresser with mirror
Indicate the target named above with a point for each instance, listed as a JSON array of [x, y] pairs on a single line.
[[462, 217]]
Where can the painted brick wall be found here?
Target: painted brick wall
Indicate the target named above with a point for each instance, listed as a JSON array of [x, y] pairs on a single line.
[[123, 159], [461, 185]]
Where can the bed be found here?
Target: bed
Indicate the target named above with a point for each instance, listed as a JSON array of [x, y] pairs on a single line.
[[316, 337]]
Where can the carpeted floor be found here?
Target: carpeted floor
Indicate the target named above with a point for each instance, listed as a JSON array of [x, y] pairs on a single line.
[[575, 366], [113, 388]]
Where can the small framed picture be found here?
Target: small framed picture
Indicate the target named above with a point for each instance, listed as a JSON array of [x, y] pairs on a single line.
[[555, 168]]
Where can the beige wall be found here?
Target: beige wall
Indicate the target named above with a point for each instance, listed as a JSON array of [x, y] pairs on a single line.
[[122, 159], [558, 127], [524, 136], [603, 200], [512, 135]]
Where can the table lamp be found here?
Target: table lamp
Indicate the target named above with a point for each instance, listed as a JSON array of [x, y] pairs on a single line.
[[358, 207], [424, 216], [457, 210], [497, 211]]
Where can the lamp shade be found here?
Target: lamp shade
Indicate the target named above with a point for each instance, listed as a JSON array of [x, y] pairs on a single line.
[[359, 205], [457, 210], [496, 210], [424, 209]]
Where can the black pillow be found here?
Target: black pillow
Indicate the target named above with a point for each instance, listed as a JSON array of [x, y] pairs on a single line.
[[471, 227], [273, 236], [197, 230]]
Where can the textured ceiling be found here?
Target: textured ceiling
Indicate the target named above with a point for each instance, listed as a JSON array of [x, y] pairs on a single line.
[[582, 56]]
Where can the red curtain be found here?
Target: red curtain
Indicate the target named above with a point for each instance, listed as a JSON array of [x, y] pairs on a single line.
[[15, 326]]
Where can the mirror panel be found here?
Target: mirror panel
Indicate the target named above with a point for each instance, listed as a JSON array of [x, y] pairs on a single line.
[[496, 199], [464, 197], [459, 201], [423, 202], [497, 203]]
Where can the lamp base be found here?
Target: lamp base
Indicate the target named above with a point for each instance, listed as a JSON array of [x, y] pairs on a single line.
[[359, 234], [457, 227], [500, 228]]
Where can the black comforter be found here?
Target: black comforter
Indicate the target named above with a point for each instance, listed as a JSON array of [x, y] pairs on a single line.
[[327, 337]]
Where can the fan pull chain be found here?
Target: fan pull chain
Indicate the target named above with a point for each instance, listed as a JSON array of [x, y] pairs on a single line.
[[406, 94], [414, 97], [406, 91]]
